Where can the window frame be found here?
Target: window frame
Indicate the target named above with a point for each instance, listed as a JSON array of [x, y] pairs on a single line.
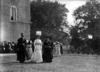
[[11, 14]]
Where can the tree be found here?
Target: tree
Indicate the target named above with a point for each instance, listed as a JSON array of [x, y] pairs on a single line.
[[87, 18], [49, 17], [87, 22]]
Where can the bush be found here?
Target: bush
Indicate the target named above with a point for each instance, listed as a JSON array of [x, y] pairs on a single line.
[[89, 46]]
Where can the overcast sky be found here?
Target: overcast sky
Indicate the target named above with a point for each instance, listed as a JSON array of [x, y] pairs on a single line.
[[72, 5]]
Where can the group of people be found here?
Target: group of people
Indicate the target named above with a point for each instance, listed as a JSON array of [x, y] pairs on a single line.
[[38, 51], [8, 47]]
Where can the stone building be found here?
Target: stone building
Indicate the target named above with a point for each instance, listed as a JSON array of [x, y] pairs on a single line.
[[14, 19]]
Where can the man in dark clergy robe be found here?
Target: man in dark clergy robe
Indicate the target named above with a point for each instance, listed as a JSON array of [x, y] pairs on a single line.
[[21, 49]]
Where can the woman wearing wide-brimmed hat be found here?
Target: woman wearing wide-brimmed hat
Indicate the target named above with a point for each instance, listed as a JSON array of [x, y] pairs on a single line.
[[29, 50], [37, 55], [48, 50], [57, 51]]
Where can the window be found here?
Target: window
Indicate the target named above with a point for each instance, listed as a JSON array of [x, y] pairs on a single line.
[[13, 13]]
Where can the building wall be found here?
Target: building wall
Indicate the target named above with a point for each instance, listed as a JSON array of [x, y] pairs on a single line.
[[10, 30], [0, 20]]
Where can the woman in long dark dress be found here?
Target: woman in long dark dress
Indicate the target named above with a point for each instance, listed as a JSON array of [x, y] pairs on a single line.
[[48, 50], [61, 48]]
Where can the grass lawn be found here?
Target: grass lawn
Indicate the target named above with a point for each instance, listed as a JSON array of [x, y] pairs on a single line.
[[64, 63]]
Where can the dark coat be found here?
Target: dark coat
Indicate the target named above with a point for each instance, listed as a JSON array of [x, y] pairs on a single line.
[[21, 49], [48, 51]]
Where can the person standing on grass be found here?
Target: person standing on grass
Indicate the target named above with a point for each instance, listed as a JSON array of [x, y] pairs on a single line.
[[61, 48], [29, 50], [37, 55], [48, 50], [21, 48], [13, 46], [6, 47], [57, 49]]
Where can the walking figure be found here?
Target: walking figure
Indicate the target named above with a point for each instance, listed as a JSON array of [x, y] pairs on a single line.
[[48, 50], [21, 48], [37, 55]]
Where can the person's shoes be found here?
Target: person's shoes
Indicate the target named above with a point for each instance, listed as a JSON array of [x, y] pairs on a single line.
[[21, 61], [28, 60], [49, 61]]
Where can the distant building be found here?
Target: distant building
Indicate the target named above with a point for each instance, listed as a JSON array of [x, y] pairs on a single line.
[[14, 19]]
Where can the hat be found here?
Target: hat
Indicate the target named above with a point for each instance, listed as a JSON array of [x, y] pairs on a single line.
[[48, 37], [27, 41], [30, 41], [39, 33]]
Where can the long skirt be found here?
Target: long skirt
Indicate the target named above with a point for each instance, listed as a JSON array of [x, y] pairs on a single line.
[[37, 56], [29, 53], [61, 50], [57, 51], [54, 51], [47, 55], [21, 55]]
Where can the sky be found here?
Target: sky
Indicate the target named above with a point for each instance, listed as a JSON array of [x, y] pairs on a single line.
[[72, 5]]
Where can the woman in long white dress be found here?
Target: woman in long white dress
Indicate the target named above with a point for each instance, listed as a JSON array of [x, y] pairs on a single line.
[[37, 55], [29, 51], [57, 49]]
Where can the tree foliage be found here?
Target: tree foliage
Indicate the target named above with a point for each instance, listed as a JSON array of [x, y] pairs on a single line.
[[87, 18], [87, 21], [49, 17], [48, 14]]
